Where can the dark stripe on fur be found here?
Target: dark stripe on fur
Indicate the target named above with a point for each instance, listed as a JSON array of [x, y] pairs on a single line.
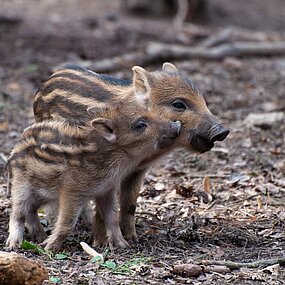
[[80, 87], [106, 78]]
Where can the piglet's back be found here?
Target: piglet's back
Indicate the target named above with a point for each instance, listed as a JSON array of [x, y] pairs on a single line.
[[48, 147], [69, 92]]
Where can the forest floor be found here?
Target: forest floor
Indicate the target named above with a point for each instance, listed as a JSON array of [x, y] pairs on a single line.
[[227, 204]]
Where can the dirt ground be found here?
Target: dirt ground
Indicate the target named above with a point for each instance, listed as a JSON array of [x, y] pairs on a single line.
[[237, 212]]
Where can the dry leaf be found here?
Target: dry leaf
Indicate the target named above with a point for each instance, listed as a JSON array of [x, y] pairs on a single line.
[[259, 202], [207, 184], [185, 191], [273, 269], [4, 126], [159, 186]]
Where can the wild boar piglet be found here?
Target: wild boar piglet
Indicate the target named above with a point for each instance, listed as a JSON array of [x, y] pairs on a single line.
[[67, 164], [166, 92]]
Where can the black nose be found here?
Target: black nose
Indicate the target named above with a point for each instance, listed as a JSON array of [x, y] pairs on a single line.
[[220, 135]]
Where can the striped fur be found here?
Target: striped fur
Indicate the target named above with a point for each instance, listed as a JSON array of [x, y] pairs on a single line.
[[69, 92], [68, 165], [52, 142]]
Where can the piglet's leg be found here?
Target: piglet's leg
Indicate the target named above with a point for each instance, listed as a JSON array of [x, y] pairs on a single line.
[[24, 206], [51, 211], [16, 229], [130, 189], [35, 229], [106, 206], [87, 214], [69, 210], [98, 234]]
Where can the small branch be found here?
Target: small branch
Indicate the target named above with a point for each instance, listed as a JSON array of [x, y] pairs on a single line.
[[237, 265], [181, 14], [244, 199], [237, 49], [209, 175], [233, 34], [3, 157]]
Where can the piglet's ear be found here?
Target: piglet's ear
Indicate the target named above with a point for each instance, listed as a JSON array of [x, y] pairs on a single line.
[[105, 128], [169, 68], [141, 84]]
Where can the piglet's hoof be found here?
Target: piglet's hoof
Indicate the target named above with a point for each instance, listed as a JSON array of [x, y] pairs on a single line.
[[51, 244], [111, 242], [118, 240], [132, 237], [13, 243]]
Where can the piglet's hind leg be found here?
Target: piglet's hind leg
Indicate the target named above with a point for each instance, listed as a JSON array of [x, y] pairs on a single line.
[[21, 198]]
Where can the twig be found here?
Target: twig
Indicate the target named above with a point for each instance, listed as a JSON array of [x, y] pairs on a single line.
[[232, 34], [3, 157], [237, 265], [244, 199], [219, 38], [209, 175], [211, 205], [181, 14], [237, 49]]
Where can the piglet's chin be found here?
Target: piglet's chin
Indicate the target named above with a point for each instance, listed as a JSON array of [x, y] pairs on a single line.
[[200, 144]]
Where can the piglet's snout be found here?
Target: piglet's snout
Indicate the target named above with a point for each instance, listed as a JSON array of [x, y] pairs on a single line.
[[218, 133], [170, 132]]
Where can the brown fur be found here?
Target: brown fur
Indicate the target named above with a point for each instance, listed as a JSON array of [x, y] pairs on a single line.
[[55, 162], [161, 91]]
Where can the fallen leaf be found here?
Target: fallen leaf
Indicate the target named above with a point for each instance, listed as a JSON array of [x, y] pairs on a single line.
[[237, 177], [273, 269], [207, 184], [159, 186], [259, 202], [185, 191], [4, 126]]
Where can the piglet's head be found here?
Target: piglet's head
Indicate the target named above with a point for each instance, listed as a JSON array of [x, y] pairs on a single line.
[[172, 96]]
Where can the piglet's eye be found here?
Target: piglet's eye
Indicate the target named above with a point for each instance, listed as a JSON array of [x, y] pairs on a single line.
[[179, 105], [140, 125]]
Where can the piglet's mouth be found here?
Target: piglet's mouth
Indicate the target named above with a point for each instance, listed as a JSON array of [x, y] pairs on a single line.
[[201, 144]]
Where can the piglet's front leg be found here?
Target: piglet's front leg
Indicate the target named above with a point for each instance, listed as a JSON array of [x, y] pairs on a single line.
[[69, 210], [106, 206], [130, 189]]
